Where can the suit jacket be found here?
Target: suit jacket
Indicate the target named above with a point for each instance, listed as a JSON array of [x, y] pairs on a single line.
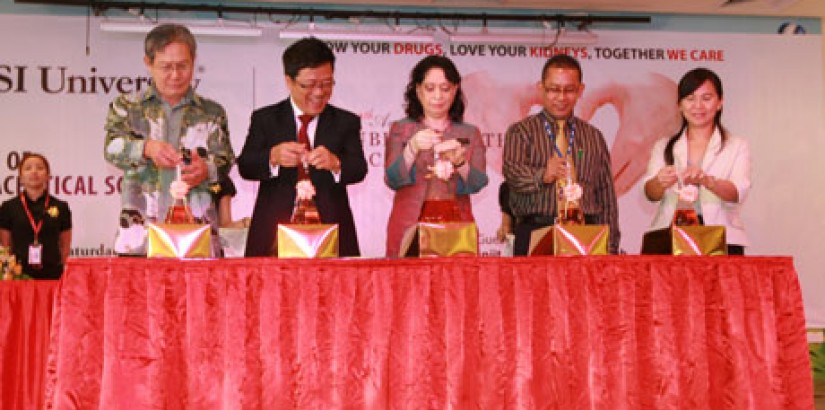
[[340, 132], [410, 183], [731, 162]]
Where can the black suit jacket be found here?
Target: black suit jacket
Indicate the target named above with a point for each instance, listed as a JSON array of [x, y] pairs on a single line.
[[340, 132]]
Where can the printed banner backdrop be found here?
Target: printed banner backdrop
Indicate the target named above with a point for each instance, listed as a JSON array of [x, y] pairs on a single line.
[[54, 97]]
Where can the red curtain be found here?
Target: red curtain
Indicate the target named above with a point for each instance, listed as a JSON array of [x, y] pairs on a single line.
[[632, 332], [25, 317]]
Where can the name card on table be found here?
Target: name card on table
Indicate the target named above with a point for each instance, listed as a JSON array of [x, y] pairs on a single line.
[[307, 240], [428, 239], [569, 240], [179, 240], [686, 240]]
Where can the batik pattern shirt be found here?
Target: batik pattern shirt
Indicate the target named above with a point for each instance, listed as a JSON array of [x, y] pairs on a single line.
[[135, 118]]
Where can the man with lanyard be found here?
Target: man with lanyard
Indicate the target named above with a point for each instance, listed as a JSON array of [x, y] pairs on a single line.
[[146, 132], [554, 147]]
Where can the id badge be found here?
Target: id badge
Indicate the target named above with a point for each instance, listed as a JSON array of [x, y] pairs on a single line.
[[35, 255]]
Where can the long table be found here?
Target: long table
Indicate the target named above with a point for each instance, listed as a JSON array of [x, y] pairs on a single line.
[[619, 332], [25, 318]]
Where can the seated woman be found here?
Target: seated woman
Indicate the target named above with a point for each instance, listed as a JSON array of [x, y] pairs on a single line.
[[705, 155], [435, 112], [35, 225]]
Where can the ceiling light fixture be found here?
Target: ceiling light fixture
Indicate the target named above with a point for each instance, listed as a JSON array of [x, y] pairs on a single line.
[[560, 37], [143, 26], [388, 36]]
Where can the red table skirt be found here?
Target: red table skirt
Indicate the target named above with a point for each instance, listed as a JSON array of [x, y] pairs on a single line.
[[25, 317], [634, 332]]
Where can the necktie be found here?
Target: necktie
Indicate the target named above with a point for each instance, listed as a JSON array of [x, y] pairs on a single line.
[[562, 143], [303, 138], [303, 135], [567, 210], [561, 138]]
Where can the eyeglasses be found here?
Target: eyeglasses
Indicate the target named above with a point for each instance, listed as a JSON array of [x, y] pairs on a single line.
[[561, 90], [170, 68], [324, 85]]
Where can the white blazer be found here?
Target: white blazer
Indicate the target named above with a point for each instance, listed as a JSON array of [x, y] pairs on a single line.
[[732, 163]]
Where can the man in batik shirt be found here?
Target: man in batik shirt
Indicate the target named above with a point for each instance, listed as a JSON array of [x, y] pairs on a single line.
[[146, 130]]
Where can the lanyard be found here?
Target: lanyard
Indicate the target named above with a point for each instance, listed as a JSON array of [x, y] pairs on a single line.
[[35, 226], [552, 135]]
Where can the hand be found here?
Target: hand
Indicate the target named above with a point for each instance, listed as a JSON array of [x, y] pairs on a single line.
[[667, 176], [693, 175], [287, 154], [322, 158], [501, 233], [241, 223], [709, 182], [556, 169], [424, 140], [163, 154], [456, 156], [196, 172]]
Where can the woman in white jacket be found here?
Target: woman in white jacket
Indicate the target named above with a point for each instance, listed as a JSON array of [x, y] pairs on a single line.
[[703, 154]]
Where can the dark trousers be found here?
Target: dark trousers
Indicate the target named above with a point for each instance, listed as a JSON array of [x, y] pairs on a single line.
[[736, 250], [522, 232]]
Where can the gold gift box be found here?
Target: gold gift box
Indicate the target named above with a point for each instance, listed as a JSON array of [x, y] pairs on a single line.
[[307, 240], [569, 240], [179, 240], [428, 239], [686, 240]]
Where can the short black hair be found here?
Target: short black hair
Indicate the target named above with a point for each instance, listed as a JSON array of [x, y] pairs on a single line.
[[561, 61], [413, 107], [308, 52]]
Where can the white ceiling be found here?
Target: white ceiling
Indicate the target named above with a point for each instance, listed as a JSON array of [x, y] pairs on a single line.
[[796, 8]]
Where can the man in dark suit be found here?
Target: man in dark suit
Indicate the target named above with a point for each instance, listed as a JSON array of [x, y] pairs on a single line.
[[272, 152]]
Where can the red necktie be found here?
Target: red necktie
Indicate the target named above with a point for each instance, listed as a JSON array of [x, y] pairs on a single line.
[[303, 135], [303, 138]]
